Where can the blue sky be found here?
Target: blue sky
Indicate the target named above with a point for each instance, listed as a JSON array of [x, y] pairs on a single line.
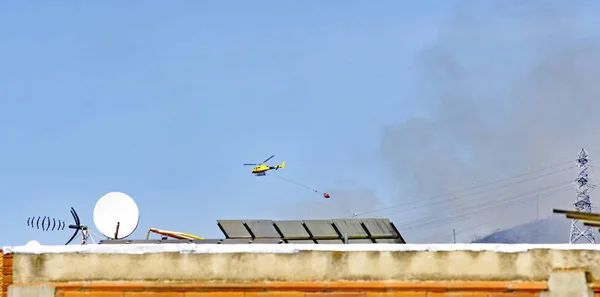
[[164, 102]]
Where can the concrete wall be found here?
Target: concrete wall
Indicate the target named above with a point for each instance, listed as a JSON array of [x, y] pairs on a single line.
[[370, 270]]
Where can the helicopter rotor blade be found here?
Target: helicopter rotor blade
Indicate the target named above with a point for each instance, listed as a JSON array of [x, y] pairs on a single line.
[[248, 164], [269, 158]]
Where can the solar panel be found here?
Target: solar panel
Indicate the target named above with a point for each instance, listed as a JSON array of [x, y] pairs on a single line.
[[292, 229], [233, 229], [400, 238], [267, 240], [380, 228], [262, 229], [321, 229], [235, 241], [330, 241], [351, 241], [300, 241], [351, 227], [389, 240]]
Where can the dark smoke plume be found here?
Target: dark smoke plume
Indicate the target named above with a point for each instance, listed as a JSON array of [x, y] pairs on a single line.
[[513, 87]]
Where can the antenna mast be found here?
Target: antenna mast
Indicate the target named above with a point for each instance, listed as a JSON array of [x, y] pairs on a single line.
[[582, 204]]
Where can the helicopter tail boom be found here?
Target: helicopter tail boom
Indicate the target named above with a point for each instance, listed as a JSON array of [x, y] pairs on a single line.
[[277, 167]]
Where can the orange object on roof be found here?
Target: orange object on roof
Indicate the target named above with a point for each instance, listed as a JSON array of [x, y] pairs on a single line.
[[173, 234]]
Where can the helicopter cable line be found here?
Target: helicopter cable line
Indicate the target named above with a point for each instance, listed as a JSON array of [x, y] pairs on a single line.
[[294, 182]]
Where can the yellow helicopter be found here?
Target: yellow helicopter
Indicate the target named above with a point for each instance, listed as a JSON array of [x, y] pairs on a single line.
[[261, 169]]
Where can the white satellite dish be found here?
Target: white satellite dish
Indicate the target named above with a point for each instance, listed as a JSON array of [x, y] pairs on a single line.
[[32, 243], [116, 215]]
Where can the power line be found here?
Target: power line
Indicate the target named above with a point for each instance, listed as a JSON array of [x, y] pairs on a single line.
[[467, 215], [448, 221], [464, 196], [496, 219], [476, 187], [476, 209], [501, 199]]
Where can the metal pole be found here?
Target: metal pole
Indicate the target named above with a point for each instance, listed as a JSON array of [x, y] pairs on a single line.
[[345, 238], [454, 234]]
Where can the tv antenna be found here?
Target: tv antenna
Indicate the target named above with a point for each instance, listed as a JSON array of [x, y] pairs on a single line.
[[85, 233], [51, 224], [116, 215]]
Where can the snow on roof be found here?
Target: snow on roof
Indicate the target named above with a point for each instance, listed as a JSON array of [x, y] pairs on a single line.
[[284, 248]]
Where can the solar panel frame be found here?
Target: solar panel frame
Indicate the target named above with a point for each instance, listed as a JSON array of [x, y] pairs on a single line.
[[398, 232], [235, 241], [353, 228], [360, 241], [380, 228], [321, 229], [330, 241], [299, 241], [267, 241], [388, 240], [292, 229], [234, 229], [262, 229]]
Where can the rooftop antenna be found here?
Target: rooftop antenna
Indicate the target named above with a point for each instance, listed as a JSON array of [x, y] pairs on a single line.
[[582, 203], [52, 224], [84, 229], [116, 215]]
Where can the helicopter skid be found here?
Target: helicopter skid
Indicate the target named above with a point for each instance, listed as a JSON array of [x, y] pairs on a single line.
[[261, 174]]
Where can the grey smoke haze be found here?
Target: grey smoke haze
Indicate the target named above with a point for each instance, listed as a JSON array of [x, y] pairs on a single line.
[[551, 230], [507, 87], [514, 87]]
